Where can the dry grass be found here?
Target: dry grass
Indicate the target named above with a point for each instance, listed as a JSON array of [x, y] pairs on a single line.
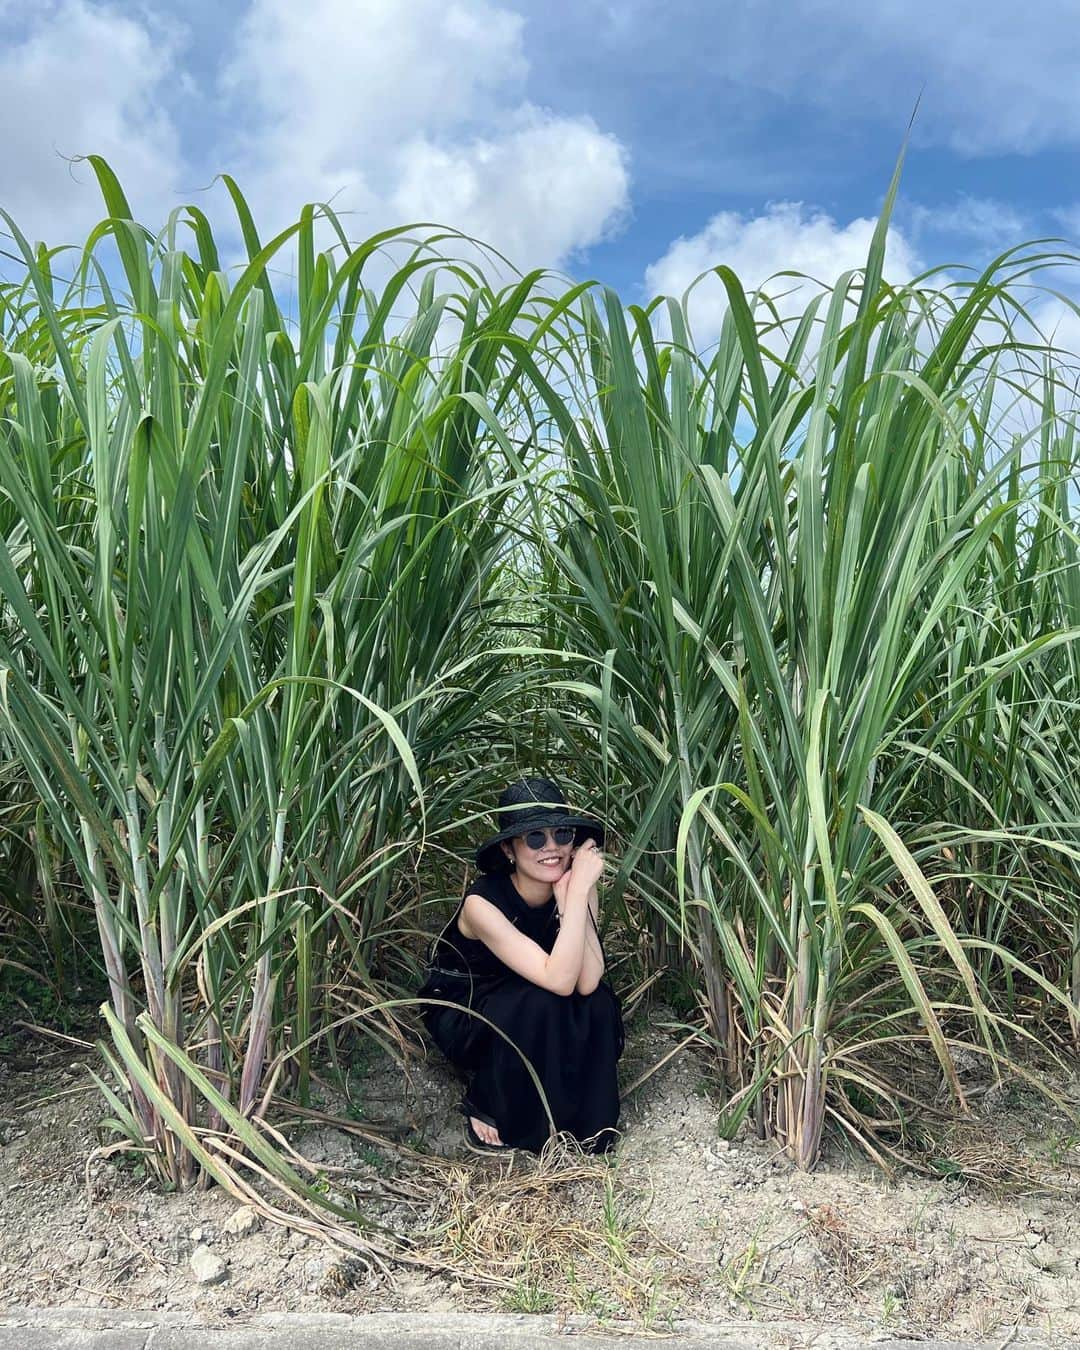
[[854, 1257], [562, 1232], [559, 1232], [964, 1154]]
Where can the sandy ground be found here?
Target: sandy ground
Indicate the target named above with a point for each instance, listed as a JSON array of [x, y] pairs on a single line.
[[679, 1225]]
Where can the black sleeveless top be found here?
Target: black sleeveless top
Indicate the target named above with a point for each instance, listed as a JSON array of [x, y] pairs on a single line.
[[539, 922]]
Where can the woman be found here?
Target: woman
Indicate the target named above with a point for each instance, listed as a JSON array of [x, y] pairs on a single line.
[[523, 951]]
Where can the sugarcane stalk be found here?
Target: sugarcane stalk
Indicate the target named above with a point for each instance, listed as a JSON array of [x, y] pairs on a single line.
[[302, 1035], [708, 946], [262, 1000], [45, 863], [150, 947]]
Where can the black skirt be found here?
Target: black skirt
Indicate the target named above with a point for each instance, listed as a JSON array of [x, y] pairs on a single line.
[[540, 1046]]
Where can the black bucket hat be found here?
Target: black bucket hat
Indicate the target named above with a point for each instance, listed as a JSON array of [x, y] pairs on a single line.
[[533, 804]]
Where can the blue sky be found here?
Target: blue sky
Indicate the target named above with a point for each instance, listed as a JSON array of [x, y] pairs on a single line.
[[630, 141]]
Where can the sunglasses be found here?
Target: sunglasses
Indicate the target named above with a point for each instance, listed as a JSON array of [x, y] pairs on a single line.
[[562, 834]]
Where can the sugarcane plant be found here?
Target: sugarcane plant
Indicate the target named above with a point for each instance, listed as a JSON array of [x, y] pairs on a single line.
[[286, 571], [786, 567], [244, 572]]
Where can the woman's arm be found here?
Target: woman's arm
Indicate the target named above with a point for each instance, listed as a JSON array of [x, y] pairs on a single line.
[[560, 969]]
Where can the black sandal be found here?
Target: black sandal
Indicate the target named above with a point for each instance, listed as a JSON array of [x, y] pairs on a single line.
[[472, 1139]]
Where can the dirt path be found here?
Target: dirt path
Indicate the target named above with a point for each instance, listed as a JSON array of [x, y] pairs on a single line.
[[681, 1225]]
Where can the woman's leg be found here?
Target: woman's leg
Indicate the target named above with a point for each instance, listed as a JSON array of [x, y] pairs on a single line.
[[502, 1089], [570, 1043], [597, 1113]]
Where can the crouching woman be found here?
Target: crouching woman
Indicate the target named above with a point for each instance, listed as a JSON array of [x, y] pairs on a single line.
[[523, 950]]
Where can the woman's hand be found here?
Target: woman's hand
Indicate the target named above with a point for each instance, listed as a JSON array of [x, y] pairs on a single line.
[[588, 864], [586, 867]]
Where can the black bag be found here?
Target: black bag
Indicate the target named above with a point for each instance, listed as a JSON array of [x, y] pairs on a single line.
[[457, 1032]]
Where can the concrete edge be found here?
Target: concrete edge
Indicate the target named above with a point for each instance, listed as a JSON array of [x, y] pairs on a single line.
[[153, 1330]]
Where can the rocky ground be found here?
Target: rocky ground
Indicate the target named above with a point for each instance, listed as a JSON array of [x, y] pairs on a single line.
[[679, 1225]]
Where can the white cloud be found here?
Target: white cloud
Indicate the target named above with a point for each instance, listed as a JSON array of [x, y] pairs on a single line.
[[989, 78], [392, 112], [1068, 218], [83, 79], [1057, 321], [331, 93], [788, 237], [983, 220], [413, 112], [540, 190]]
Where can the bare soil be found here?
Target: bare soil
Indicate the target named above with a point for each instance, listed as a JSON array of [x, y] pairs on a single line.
[[680, 1224]]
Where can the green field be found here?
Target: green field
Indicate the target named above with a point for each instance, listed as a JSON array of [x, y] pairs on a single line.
[[295, 577]]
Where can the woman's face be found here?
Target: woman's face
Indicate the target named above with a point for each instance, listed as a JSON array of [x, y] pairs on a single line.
[[546, 863]]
